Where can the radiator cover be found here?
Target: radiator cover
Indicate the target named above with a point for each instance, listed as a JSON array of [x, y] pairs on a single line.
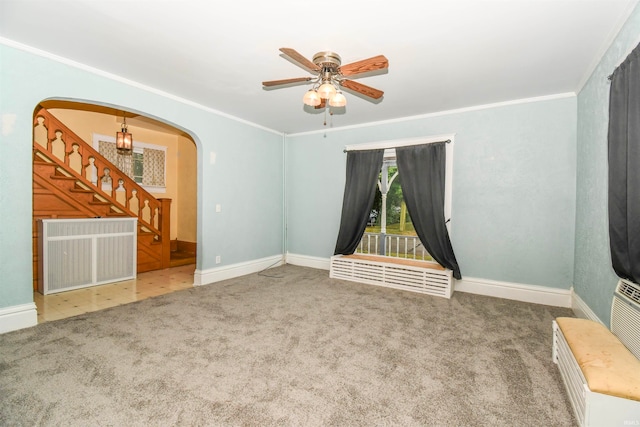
[[77, 253], [393, 275], [625, 315], [574, 381], [595, 409]]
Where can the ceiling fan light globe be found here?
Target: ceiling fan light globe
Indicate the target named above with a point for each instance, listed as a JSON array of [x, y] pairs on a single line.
[[311, 98], [338, 100], [326, 91]]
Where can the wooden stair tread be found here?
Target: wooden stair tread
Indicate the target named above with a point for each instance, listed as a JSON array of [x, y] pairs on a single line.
[[147, 235], [63, 177], [182, 258]]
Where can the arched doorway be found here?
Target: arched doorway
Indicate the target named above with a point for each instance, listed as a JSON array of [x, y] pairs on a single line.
[[173, 150]]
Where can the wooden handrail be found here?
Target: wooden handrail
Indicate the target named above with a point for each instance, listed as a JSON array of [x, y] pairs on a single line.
[[89, 158]]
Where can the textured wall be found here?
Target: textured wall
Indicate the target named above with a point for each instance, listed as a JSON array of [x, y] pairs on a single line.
[[513, 204], [188, 189], [594, 278], [246, 178]]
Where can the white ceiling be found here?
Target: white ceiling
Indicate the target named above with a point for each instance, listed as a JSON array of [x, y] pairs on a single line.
[[443, 55]]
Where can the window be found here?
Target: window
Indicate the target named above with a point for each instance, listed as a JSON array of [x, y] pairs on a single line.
[[390, 231], [137, 166], [146, 165], [388, 202]]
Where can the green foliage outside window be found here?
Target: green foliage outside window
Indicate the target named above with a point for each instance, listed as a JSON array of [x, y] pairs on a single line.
[[137, 166]]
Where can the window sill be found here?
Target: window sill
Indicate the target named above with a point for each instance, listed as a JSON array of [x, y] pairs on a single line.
[[154, 188]]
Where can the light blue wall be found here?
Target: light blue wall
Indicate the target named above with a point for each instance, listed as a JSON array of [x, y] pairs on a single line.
[[246, 179], [594, 278], [513, 207], [518, 214]]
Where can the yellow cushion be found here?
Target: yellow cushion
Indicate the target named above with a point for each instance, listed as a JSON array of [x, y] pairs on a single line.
[[607, 365], [392, 260]]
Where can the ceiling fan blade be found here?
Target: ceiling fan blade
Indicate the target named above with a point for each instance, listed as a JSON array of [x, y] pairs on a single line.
[[286, 81], [299, 60], [366, 65], [363, 89]]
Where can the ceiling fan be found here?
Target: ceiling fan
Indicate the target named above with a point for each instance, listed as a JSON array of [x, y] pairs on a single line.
[[330, 76]]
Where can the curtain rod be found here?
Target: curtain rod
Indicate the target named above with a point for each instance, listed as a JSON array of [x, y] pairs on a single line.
[[446, 141]]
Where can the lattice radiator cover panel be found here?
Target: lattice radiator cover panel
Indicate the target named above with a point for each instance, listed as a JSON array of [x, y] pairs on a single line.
[[77, 253], [572, 376], [625, 315], [392, 275]]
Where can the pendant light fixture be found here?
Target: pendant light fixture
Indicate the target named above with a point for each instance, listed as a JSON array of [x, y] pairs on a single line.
[[124, 140]]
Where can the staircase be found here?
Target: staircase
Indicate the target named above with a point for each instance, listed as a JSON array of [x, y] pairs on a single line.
[[72, 180], [182, 253]]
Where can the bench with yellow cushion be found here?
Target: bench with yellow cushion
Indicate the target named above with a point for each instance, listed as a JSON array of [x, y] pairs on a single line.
[[607, 365]]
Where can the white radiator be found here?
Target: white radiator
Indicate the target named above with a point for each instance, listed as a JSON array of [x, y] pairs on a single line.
[[392, 274], [77, 253], [625, 315]]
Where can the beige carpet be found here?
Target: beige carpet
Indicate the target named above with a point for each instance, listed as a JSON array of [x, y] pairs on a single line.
[[292, 349]]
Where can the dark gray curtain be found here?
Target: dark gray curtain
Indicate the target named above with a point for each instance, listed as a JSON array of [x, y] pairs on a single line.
[[624, 168], [363, 168], [422, 173]]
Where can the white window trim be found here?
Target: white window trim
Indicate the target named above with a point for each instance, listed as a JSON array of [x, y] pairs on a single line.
[[389, 147], [137, 148]]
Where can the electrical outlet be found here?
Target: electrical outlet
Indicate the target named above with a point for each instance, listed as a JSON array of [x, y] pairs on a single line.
[[218, 208], [218, 259]]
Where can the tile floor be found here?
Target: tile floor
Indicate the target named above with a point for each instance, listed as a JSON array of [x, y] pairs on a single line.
[[80, 301]]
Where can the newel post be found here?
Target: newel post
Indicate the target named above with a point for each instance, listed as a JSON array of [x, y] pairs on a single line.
[[165, 228]]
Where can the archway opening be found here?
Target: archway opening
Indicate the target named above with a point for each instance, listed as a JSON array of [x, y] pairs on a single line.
[[97, 125]]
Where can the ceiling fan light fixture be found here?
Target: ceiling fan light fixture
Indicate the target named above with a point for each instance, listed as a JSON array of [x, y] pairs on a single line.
[[326, 90], [311, 98], [329, 76], [338, 100]]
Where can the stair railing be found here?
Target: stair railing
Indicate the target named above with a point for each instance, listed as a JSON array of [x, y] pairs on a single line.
[[60, 144]]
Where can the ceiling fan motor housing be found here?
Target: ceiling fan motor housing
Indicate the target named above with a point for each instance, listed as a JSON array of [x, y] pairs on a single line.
[[327, 60]]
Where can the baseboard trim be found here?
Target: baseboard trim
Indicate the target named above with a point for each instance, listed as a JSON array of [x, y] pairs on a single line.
[[308, 261], [18, 317], [181, 245], [212, 275], [515, 291], [492, 288], [582, 310]]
